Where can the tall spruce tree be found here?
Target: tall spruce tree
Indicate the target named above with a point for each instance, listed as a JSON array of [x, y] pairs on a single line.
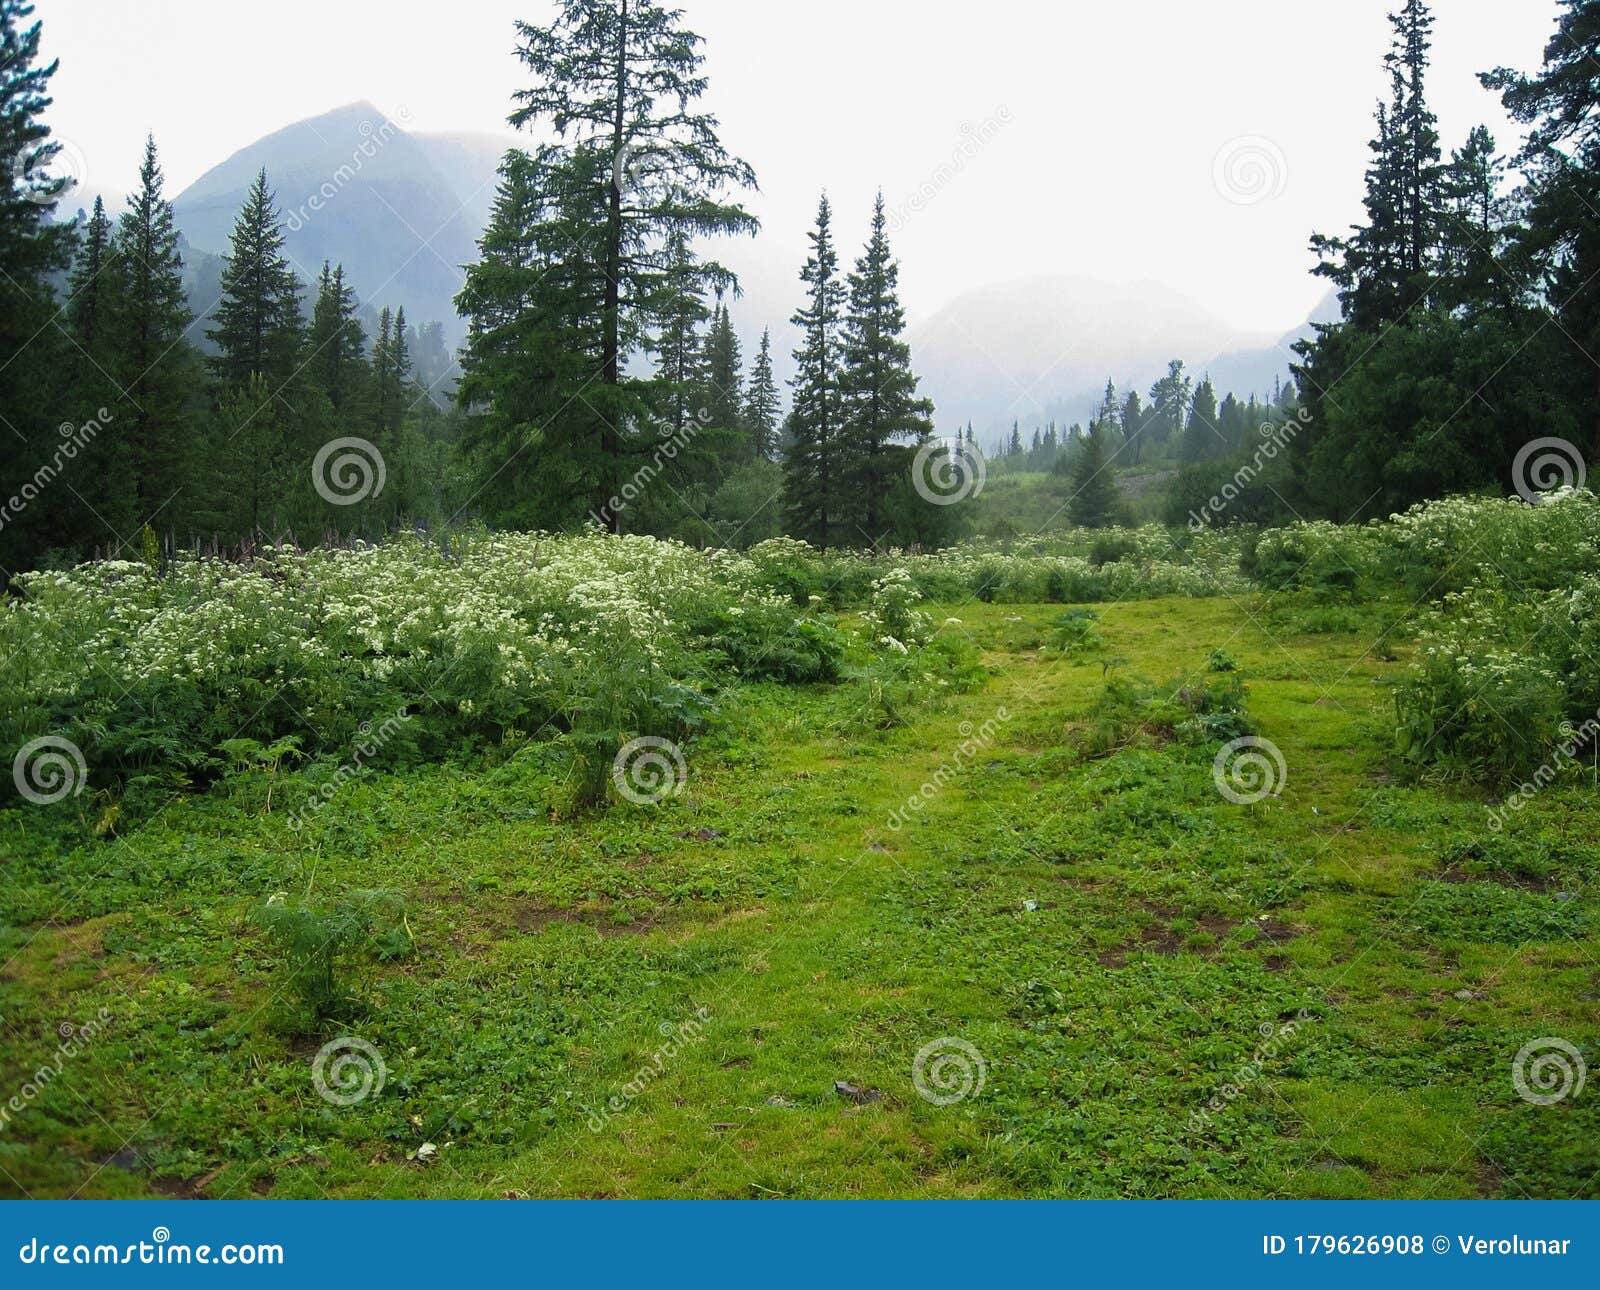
[[1388, 266], [881, 413], [107, 486], [761, 405], [813, 467], [617, 82], [532, 357], [1560, 103], [724, 378], [1203, 439], [258, 327], [679, 310], [157, 368]]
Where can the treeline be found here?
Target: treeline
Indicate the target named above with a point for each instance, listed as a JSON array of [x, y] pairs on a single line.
[[132, 441], [137, 428], [1183, 424], [1470, 314]]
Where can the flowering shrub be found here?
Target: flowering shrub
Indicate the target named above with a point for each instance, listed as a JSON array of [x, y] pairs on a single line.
[[474, 638]]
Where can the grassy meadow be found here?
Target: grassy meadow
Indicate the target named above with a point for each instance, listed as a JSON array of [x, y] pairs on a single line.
[[1076, 967]]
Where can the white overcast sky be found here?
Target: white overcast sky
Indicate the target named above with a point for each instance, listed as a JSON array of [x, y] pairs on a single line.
[[1110, 115]]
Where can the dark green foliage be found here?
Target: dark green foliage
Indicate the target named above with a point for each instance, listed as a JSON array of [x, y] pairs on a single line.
[[883, 419], [761, 402], [1095, 501], [257, 325], [814, 463]]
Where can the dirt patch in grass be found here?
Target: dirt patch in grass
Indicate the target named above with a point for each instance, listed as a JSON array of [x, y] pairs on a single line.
[[1500, 878], [1168, 936]]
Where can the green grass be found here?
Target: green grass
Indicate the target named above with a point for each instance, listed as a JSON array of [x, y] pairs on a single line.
[[1117, 941]]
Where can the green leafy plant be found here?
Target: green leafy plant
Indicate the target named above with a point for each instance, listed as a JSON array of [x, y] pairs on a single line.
[[317, 944]]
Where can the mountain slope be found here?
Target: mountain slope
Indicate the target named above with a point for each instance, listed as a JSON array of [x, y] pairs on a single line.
[[401, 212]]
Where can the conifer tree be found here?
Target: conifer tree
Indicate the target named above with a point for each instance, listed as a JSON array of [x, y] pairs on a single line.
[[32, 249], [761, 405], [617, 82], [258, 324], [532, 357], [1386, 267], [156, 366], [813, 467], [882, 417], [1202, 436], [1560, 103], [680, 309], [337, 344], [107, 485], [724, 377], [1095, 498]]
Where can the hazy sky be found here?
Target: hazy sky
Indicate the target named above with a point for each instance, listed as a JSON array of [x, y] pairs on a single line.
[[1042, 137]]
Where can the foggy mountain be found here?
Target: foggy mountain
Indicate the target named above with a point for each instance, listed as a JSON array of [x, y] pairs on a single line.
[[1043, 347], [401, 211]]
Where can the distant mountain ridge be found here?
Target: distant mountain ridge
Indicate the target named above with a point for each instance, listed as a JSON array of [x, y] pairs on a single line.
[[401, 211]]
